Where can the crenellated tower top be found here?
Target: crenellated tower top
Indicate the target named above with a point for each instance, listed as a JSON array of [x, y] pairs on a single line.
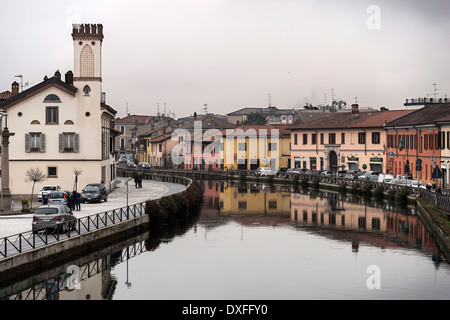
[[87, 32]]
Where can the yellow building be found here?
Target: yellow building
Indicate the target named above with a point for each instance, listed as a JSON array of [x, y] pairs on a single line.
[[248, 199], [251, 146]]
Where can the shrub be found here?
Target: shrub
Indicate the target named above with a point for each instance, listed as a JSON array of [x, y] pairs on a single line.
[[169, 205], [155, 211], [182, 204]]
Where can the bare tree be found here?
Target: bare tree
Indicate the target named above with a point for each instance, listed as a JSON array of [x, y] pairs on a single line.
[[77, 172], [34, 175]]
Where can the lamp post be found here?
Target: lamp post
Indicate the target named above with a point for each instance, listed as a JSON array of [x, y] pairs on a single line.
[[1, 159]]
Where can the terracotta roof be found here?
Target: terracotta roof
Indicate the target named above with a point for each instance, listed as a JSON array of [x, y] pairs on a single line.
[[426, 115], [250, 128], [53, 81], [350, 120], [5, 95], [135, 119], [162, 137], [380, 118], [209, 122]]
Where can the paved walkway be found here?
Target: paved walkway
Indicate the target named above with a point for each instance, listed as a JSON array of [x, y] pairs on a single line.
[[14, 224]]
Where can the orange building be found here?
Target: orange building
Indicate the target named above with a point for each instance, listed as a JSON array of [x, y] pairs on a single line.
[[414, 144]]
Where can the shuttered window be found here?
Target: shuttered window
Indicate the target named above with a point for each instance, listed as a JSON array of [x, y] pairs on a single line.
[[34, 142], [69, 142]]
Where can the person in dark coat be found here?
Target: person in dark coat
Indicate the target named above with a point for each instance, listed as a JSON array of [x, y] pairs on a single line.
[[77, 197], [71, 202]]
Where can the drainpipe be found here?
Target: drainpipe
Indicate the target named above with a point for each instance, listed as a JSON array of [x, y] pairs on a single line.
[[365, 141], [317, 139]]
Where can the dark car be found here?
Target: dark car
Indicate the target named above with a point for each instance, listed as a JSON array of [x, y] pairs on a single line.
[[94, 192]]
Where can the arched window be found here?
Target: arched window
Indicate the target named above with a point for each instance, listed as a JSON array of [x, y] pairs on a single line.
[[87, 62], [86, 90], [52, 98]]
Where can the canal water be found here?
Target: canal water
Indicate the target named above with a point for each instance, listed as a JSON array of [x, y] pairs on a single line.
[[261, 242]]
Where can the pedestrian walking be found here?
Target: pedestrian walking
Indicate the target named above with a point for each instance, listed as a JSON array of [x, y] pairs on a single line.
[[140, 181], [136, 180]]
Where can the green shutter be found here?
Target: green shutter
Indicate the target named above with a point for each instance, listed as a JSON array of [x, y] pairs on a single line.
[[42, 142], [76, 143], [27, 142]]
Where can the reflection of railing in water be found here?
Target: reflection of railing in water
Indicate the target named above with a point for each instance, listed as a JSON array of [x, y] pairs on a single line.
[[51, 287]]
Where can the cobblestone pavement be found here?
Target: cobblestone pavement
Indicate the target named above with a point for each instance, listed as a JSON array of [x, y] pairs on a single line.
[[14, 224]]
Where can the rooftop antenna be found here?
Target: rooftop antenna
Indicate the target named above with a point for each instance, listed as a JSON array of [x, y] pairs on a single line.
[[270, 100], [126, 110], [205, 108], [157, 109], [435, 93]]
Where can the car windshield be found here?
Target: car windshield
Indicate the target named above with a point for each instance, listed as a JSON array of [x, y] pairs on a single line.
[[48, 188], [91, 188], [47, 210]]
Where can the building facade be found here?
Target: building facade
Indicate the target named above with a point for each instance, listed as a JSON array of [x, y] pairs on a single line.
[[342, 141], [417, 144], [63, 127]]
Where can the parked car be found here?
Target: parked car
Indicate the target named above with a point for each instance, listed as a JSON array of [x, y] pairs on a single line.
[[385, 178], [94, 192], [47, 189], [53, 216], [364, 175], [131, 164], [342, 173], [372, 177], [265, 171], [144, 165], [59, 197], [416, 184]]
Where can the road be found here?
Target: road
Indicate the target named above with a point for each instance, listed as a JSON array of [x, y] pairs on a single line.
[[14, 224]]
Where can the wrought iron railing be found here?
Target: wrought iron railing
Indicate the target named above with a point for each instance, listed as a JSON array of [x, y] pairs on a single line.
[[30, 240]]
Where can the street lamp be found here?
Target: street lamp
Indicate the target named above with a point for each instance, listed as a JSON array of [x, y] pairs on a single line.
[[2, 114]]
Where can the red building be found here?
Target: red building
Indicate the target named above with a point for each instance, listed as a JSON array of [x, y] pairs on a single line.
[[414, 143]]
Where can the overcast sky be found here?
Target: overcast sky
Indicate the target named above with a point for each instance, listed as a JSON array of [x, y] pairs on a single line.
[[228, 54]]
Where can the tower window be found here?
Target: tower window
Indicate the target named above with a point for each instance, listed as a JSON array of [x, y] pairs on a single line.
[[87, 62], [86, 90]]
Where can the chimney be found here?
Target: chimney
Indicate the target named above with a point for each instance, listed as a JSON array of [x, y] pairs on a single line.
[[14, 88], [58, 74], [355, 109], [195, 116], [69, 78]]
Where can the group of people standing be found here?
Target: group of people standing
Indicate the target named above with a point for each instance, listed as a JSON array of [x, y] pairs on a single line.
[[75, 201], [138, 180]]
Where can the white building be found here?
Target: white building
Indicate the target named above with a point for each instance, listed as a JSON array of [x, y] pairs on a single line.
[[63, 126]]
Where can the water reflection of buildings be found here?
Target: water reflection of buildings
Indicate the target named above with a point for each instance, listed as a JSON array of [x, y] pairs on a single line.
[[382, 225], [331, 214]]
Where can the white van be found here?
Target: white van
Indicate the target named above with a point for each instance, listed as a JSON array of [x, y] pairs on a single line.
[[386, 178], [264, 171]]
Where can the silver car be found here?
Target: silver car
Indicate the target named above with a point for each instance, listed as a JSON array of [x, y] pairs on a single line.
[[53, 216]]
